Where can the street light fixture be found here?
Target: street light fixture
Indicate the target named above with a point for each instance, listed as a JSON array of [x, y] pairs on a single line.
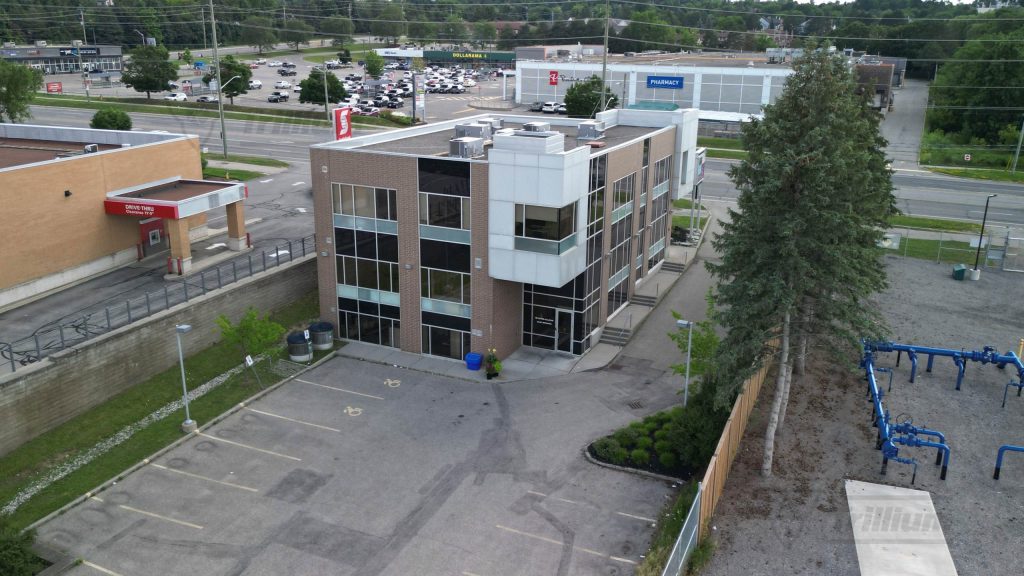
[[689, 347], [981, 236], [143, 36], [188, 425]]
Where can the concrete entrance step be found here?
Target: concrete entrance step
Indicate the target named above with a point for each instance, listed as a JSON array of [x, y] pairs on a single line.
[[615, 336], [649, 301], [677, 267]]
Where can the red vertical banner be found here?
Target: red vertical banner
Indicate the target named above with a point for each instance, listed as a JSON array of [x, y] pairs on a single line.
[[342, 123], [553, 78]]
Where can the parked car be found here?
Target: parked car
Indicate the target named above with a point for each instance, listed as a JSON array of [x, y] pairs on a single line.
[[261, 61], [536, 107], [561, 109], [550, 108], [275, 63], [255, 84], [253, 65], [282, 84], [286, 72], [297, 89], [207, 99], [395, 103], [287, 64], [469, 82], [381, 101], [366, 111], [177, 97], [277, 97]]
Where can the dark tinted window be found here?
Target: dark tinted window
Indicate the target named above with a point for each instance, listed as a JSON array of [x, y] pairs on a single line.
[[387, 247], [444, 176], [366, 244], [444, 255], [345, 241]]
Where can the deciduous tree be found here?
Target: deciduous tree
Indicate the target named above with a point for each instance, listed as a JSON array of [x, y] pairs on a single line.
[[111, 118], [258, 32], [583, 99], [18, 85], [235, 76], [149, 70]]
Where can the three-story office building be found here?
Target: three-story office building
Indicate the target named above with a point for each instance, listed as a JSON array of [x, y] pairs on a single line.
[[496, 231]]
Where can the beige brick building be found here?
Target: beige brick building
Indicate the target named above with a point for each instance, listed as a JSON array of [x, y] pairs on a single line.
[[80, 202], [496, 231]]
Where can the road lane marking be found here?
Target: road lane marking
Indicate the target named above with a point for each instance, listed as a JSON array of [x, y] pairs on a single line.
[[267, 181], [151, 514], [293, 420], [634, 516], [99, 568], [297, 183], [240, 445], [339, 389], [560, 543], [191, 475]]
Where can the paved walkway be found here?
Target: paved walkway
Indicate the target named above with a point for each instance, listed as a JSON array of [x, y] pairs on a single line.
[[682, 293]]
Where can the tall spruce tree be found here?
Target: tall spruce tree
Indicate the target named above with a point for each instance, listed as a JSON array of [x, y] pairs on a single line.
[[799, 259]]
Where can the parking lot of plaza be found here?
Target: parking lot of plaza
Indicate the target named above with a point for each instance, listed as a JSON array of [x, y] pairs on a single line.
[[356, 467]]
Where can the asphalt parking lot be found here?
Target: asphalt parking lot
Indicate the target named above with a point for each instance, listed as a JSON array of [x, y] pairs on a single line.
[[362, 468]]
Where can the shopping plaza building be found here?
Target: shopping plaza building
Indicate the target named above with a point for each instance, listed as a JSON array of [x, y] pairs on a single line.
[[497, 231]]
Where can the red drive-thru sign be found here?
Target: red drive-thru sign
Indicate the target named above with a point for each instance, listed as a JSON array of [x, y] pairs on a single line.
[[342, 123], [140, 209], [553, 78], [54, 88]]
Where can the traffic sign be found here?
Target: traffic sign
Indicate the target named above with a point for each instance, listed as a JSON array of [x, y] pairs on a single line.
[[967, 157]]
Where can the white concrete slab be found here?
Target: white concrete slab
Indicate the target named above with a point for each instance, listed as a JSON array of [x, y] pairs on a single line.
[[896, 531]]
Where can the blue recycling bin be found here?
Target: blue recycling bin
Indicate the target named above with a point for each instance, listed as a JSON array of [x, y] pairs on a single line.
[[473, 361]]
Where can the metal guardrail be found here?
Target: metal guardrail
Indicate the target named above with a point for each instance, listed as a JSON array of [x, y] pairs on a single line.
[[94, 321], [687, 540]]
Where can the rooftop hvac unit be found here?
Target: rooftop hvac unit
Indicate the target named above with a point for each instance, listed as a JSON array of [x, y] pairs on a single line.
[[9, 44], [537, 126], [590, 130], [496, 123], [466, 147], [40, 43], [504, 132], [91, 149], [474, 130]]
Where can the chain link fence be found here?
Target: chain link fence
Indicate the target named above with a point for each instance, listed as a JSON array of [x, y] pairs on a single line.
[[956, 247], [94, 321]]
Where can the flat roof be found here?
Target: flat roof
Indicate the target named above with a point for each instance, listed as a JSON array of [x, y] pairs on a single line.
[[18, 151], [177, 191], [436, 143]]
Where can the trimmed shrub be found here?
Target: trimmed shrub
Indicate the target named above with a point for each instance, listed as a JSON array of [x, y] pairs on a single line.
[[662, 446], [661, 434], [644, 443], [619, 456], [668, 460], [696, 428], [605, 447], [111, 118], [16, 556], [640, 457], [627, 437]]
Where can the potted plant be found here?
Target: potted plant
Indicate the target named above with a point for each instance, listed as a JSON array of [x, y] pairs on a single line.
[[492, 364]]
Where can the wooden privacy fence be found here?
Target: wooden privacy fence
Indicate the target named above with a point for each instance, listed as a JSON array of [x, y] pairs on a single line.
[[718, 469]]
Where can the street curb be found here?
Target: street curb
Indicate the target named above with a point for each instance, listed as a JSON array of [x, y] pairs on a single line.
[[651, 475], [146, 461]]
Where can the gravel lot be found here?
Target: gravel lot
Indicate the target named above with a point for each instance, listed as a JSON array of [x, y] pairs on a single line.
[[798, 522]]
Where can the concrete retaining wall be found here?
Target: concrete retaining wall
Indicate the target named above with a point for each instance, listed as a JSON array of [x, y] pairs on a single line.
[[65, 384]]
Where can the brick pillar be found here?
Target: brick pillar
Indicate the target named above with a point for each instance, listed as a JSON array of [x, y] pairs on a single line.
[[236, 226], [181, 248]]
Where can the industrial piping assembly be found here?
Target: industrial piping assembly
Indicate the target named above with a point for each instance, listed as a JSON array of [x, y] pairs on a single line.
[[903, 432]]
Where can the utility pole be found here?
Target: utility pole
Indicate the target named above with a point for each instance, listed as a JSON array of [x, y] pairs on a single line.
[[604, 57], [1017, 154], [202, 14], [81, 18], [220, 87]]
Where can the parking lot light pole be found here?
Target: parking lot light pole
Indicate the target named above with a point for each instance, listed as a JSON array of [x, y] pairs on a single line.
[[327, 101], [188, 425], [216, 62], [689, 346]]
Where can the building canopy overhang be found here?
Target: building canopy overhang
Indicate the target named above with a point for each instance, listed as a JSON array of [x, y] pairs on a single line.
[[175, 198]]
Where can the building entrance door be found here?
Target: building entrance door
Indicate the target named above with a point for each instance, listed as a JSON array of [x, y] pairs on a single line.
[[563, 330]]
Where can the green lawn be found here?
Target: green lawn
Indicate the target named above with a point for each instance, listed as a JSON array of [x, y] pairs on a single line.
[[926, 249], [73, 438], [255, 160], [682, 204], [709, 142], [727, 154], [983, 173], [941, 224], [684, 222], [171, 110], [670, 524], [231, 174]]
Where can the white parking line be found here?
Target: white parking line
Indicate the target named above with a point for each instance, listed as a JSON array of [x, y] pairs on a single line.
[[634, 516], [240, 445], [152, 514], [339, 389], [99, 568], [197, 476], [560, 543], [292, 420]]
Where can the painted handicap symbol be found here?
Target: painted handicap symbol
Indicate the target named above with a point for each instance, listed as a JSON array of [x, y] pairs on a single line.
[[392, 383], [349, 410]]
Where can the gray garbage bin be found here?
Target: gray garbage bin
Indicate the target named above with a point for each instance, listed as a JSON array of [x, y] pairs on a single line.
[[299, 349], [322, 334]]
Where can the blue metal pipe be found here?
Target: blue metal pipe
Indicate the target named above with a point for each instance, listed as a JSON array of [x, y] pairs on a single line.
[[987, 355], [912, 441], [1006, 389], [999, 458], [908, 428]]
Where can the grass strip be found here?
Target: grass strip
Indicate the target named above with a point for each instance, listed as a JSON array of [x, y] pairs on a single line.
[[949, 251], [231, 174], [981, 173], [669, 525], [727, 154], [683, 221], [710, 142], [682, 204], [942, 224], [76, 436], [172, 111], [254, 160]]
